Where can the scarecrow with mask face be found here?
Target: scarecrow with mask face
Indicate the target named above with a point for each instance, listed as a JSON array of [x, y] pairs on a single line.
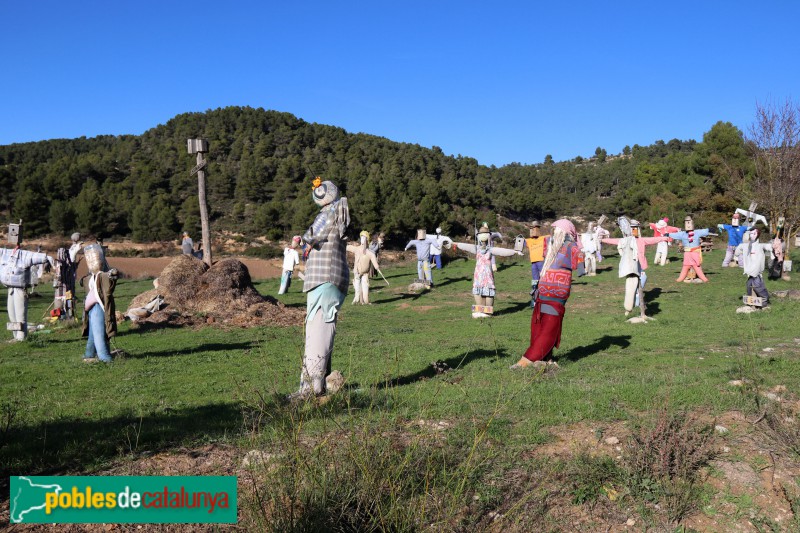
[[753, 255], [633, 262], [15, 273], [326, 280], [441, 241], [692, 252], [483, 288], [735, 234], [99, 320], [364, 259], [423, 244], [563, 256]]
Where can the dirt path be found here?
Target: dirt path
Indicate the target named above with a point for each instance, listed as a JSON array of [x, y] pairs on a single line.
[[151, 267]]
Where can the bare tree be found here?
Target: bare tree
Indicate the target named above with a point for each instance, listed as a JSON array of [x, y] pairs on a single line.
[[773, 142]]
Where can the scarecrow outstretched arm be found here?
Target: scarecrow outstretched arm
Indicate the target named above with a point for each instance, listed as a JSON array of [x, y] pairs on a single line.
[[469, 248], [504, 252]]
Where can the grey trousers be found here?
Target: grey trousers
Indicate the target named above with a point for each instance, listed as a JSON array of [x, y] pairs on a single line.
[[18, 311], [317, 358], [756, 285]]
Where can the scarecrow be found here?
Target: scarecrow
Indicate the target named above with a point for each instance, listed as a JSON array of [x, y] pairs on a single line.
[[483, 288], [753, 255], [589, 247], [735, 234], [15, 273], [326, 280], [441, 241], [99, 310], [692, 253], [563, 256], [290, 259], [423, 244], [661, 229], [364, 259], [633, 263], [536, 248]]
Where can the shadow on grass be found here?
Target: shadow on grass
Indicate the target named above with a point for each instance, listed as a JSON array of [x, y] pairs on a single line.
[[651, 305], [85, 444], [77, 444], [404, 296], [143, 327], [521, 306], [600, 345], [212, 347], [458, 361]]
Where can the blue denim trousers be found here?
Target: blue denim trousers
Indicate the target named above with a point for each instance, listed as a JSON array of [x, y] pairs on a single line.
[[97, 344]]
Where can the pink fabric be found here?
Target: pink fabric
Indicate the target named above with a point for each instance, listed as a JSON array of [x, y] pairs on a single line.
[[692, 259], [568, 228], [641, 243]]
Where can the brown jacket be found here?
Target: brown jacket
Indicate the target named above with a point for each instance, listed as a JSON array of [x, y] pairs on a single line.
[[106, 282]]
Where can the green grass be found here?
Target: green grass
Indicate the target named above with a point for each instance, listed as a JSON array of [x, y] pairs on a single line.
[[184, 387]]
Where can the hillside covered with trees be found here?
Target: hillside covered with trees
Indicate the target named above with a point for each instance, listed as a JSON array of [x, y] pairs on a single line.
[[261, 164]]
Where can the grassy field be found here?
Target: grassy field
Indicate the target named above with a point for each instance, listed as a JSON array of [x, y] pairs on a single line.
[[185, 388]]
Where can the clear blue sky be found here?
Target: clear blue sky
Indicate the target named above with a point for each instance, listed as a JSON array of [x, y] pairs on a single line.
[[498, 81]]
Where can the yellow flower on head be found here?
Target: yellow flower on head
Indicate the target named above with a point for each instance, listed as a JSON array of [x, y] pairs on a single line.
[[316, 183]]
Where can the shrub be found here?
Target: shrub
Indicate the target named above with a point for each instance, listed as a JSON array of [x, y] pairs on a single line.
[[663, 460]]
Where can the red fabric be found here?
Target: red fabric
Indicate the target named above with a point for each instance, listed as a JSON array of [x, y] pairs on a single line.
[[545, 331]]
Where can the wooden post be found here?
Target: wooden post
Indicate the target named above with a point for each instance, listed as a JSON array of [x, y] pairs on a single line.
[[199, 147], [201, 195]]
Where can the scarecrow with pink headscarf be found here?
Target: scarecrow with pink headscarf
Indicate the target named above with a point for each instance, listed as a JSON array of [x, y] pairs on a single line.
[[661, 229], [563, 256]]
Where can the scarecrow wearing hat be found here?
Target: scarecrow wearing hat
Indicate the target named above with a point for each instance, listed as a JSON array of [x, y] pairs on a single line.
[[692, 252], [423, 244], [483, 288], [290, 259], [661, 229], [364, 259], [633, 262], [325, 283], [735, 235], [563, 256], [536, 245]]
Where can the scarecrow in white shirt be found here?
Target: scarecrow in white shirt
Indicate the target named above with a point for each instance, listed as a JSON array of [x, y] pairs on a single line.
[[290, 259]]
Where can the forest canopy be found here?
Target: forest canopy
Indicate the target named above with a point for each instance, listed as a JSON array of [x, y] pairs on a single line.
[[261, 164]]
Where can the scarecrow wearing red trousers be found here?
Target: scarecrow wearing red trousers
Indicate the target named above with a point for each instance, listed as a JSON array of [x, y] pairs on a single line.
[[563, 256]]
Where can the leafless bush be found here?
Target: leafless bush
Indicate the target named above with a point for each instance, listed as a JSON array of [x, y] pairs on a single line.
[[664, 459]]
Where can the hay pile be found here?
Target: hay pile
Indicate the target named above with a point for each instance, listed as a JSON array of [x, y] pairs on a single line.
[[220, 295]]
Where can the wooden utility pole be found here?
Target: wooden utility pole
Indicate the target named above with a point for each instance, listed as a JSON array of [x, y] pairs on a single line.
[[199, 147]]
